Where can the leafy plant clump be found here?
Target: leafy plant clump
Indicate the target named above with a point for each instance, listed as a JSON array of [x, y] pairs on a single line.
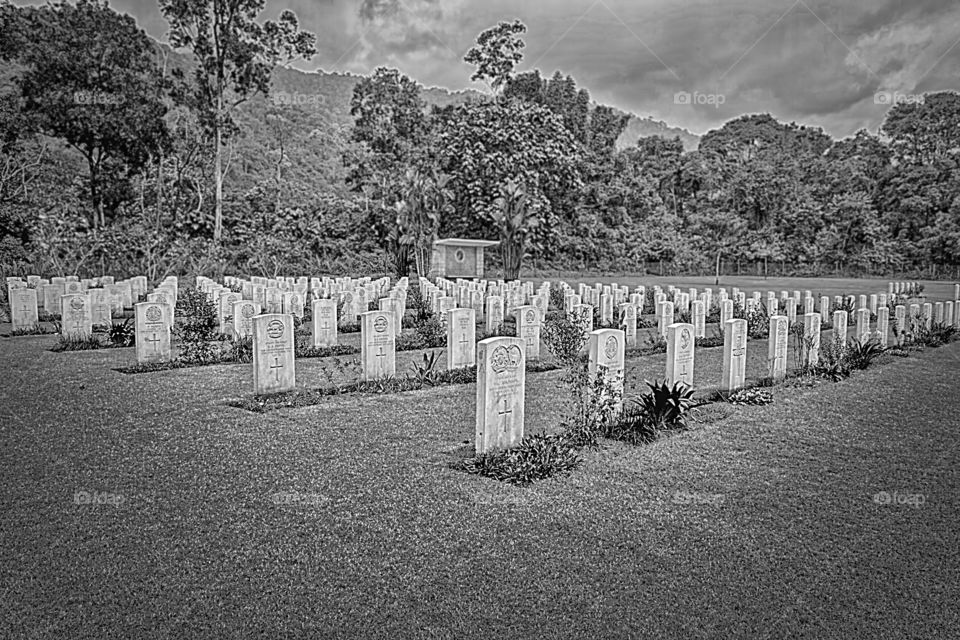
[[664, 409], [564, 337], [77, 343], [753, 396], [538, 457], [122, 334]]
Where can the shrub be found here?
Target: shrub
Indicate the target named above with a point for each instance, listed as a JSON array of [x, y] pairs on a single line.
[[751, 397], [426, 372], [595, 404], [538, 456], [556, 297], [667, 406], [564, 337], [861, 355], [196, 328], [122, 335], [664, 409], [431, 331], [758, 323]]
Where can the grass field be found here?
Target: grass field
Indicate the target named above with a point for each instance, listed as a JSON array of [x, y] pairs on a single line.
[[345, 520]]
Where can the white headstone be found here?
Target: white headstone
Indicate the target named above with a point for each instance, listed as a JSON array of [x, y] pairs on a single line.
[[274, 370], [23, 309], [501, 382], [811, 339], [840, 326], [777, 351], [461, 338], [152, 330], [243, 313], [680, 353], [528, 329], [734, 354], [378, 344], [606, 358], [76, 316], [324, 323]]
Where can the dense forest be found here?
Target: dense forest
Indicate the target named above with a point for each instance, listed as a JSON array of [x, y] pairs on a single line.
[[211, 155]]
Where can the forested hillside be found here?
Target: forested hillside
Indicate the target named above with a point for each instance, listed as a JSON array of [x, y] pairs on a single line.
[[120, 153]]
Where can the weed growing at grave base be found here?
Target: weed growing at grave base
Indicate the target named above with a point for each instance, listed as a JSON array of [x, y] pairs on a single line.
[[838, 360], [409, 382], [309, 351], [36, 330], [240, 350], [77, 343], [426, 371], [349, 327], [653, 343], [537, 457], [751, 397], [936, 336], [707, 342]]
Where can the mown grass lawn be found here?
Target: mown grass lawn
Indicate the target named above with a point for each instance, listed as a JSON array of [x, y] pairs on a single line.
[[345, 519]]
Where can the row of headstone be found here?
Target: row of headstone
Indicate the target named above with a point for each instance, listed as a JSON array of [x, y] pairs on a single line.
[[106, 298]]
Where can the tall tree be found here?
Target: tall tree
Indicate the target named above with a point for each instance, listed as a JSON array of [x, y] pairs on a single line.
[[390, 122], [90, 78], [235, 56], [497, 53]]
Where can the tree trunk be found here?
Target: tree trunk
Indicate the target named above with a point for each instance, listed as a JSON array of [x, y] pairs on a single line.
[[218, 173], [716, 281]]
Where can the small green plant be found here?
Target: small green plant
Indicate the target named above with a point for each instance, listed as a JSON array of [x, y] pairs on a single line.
[[861, 355], [77, 343], [752, 396], [538, 456], [431, 332], [664, 409], [425, 371], [667, 406], [122, 334], [240, 350], [596, 403]]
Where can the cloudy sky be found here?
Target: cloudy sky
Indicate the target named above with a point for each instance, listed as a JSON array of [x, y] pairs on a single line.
[[831, 63]]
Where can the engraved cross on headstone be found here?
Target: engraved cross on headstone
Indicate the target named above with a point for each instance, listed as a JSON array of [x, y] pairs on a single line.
[[505, 412], [153, 342], [276, 366]]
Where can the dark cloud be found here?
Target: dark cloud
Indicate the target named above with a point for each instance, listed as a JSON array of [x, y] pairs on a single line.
[[822, 62]]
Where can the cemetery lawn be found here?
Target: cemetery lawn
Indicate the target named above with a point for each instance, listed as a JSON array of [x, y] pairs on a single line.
[[345, 520]]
